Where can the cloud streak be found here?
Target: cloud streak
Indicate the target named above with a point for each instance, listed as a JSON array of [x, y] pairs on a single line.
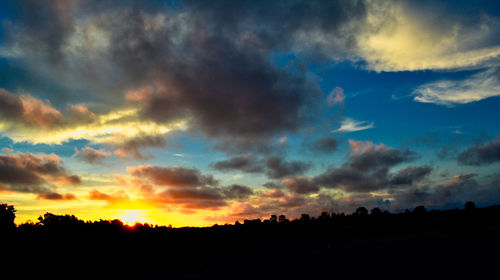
[[350, 125], [477, 87]]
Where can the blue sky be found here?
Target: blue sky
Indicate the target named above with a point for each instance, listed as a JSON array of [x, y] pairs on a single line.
[[193, 112]]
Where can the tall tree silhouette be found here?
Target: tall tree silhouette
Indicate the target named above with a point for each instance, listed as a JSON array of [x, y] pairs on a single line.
[[7, 217]]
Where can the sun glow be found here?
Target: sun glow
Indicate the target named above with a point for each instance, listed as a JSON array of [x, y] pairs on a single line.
[[132, 217]]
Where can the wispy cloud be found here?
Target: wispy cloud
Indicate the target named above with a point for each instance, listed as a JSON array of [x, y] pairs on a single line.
[[335, 96], [350, 125], [447, 92]]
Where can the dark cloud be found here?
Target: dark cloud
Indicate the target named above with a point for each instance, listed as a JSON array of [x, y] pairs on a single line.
[[193, 198], [205, 63], [246, 163], [237, 192], [44, 27], [172, 176], [204, 197], [367, 168], [301, 185], [481, 154], [292, 201], [132, 147], [186, 187], [34, 174], [91, 155], [410, 174], [273, 185], [10, 105], [180, 194], [279, 168], [455, 190], [275, 167], [324, 145], [56, 196], [258, 102]]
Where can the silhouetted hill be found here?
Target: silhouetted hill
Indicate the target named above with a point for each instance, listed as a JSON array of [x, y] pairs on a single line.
[[376, 245]]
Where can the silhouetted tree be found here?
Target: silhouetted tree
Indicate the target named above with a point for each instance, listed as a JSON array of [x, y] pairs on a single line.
[[50, 220], [282, 219], [376, 212], [324, 216], [273, 219], [305, 218], [419, 209], [7, 217], [469, 205], [361, 211]]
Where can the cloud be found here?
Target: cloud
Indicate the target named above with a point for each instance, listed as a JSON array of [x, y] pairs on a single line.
[[482, 154], [117, 196], [274, 193], [301, 185], [279, 168], [28, 110], [187, 188], [113, 128], [272, 185], [237, 192], [91, 155], [335, 96], [81, 113], [224, 85], [184, 187], [132, 147], [324, 145], [274, 167], [245, 163], [172, 176], [410, 174], [56, 196], [367, 168], [454, 191], [450, 92], [410, 36], [34, 174], [350, 125], [206, 68], [26, 118]]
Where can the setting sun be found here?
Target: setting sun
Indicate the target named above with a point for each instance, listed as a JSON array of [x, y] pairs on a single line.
[[132, 217]]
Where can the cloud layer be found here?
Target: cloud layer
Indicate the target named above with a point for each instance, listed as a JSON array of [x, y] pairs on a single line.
[[29, 173]]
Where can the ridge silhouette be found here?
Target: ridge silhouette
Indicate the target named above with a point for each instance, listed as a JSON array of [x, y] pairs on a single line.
[[372, 244]]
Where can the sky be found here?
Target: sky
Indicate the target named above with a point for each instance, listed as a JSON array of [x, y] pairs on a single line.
[[191, 113]]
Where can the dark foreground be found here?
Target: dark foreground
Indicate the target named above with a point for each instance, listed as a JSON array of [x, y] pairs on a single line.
[[435, 244]]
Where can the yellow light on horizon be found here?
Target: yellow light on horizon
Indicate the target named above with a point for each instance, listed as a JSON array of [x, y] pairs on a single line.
[[132, 217]]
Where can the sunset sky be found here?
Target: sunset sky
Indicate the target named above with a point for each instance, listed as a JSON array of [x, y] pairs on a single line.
[[192, 113]]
